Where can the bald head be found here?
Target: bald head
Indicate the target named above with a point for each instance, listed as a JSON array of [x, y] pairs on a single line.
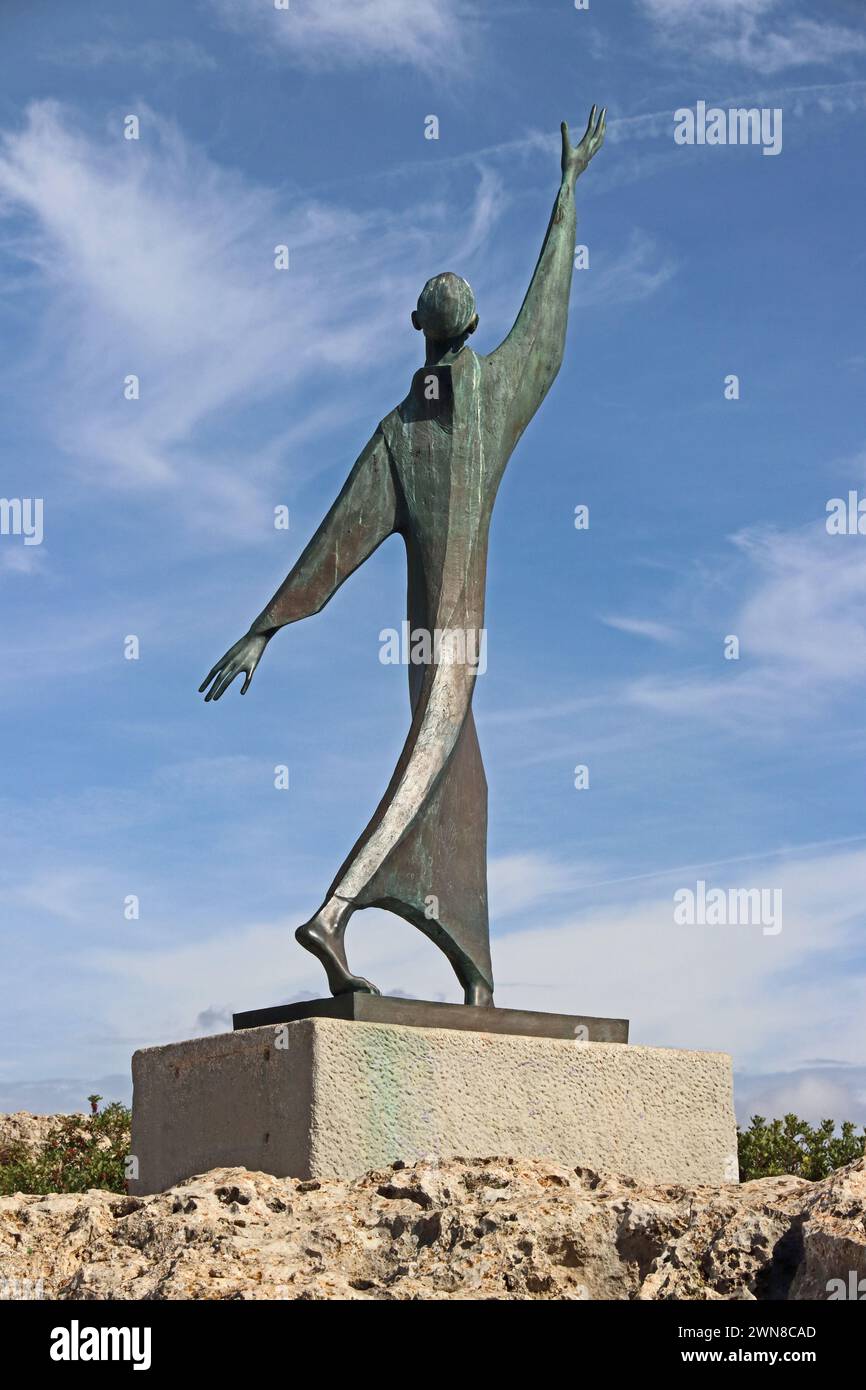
[[446, 309]]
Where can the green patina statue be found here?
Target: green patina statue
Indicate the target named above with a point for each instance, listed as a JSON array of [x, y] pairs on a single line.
[[431, 473]]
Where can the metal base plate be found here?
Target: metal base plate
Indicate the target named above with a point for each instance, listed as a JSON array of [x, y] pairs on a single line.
[[424, 1013]]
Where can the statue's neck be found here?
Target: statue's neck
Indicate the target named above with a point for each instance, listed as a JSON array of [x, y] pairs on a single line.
[[440, 354]]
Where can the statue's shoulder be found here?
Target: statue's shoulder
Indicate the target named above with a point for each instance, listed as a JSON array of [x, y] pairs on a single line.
[[390, 426], [480, 368], [436, 391], [486, 360], [465, 372], [469, 362]]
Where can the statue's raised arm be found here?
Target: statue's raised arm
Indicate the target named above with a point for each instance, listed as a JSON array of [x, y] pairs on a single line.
[[531, 355]]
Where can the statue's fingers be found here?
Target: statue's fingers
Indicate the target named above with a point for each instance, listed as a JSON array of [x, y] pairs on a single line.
[[601, 125], [209, 677], [591, 122], [226, 682], [246, 685], [222, 683], [219, 689]]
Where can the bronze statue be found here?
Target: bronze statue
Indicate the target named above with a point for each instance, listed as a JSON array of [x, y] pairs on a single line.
[[431, 473]]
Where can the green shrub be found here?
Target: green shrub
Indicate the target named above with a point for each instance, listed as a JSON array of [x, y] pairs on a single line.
[[79, 1152], [793, 1146]]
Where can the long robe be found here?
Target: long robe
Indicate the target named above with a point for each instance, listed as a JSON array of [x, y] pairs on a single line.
[[431, 473]]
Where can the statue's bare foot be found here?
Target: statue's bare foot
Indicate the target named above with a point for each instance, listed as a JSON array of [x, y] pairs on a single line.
[[323, 936], [478, 993]]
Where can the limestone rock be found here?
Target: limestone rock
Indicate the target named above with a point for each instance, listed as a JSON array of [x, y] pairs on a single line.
[[832, 1239], [493, 1228], [23, 1128]]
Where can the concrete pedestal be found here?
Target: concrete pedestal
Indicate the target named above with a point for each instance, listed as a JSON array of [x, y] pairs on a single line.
[[325, 1097]]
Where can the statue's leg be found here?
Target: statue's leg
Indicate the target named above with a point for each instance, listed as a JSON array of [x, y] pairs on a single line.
[[453, 853], [475, 982], [436, 878], [424, 853], [324, 936], [477, 992]]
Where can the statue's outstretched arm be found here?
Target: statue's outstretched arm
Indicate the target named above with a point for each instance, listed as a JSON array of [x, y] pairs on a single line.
[[364, 514], [531, 355]]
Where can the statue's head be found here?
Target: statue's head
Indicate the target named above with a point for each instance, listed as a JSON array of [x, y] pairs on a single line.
[[446, 309]]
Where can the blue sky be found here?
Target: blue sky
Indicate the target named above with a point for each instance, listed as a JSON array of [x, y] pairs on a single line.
[[258, 388]]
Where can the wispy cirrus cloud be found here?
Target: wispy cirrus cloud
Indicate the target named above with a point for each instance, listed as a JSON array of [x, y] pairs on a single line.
[[147, 54], [630, 275], [795, 600], [801, 626], [643, 627], [159, 262], [763, 35], [331, 34]]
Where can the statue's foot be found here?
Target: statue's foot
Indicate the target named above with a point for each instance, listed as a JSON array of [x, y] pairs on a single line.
[[478, 993], [323, 936]]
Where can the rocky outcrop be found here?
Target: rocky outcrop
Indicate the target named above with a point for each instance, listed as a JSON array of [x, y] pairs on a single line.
[[23, 1128], [497, 1228], [832, 1237]]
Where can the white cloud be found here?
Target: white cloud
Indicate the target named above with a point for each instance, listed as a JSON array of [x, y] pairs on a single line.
[[519, 882], [348, 33], [770, 1001], [16, 558], [643, 627], [58, 649], [813, 1094], [160, 263], [68, 895], [808, 614], [204, 775], [759, 34], [636, 273], [801, 629], [147, 54]]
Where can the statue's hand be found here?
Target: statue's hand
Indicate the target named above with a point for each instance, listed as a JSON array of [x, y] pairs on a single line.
[[244, 656], [576, 158]]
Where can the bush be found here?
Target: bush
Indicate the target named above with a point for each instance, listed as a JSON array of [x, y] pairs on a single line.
[[793, 1146], [79, 1152]]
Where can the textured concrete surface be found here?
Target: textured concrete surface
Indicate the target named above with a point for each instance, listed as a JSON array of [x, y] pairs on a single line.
[[324, 1098]]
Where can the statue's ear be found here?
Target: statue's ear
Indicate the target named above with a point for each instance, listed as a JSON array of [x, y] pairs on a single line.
[[415, 323], [473, 325]]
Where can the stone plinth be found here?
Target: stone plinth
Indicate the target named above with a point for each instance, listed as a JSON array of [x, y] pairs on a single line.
[[325, 1097]]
